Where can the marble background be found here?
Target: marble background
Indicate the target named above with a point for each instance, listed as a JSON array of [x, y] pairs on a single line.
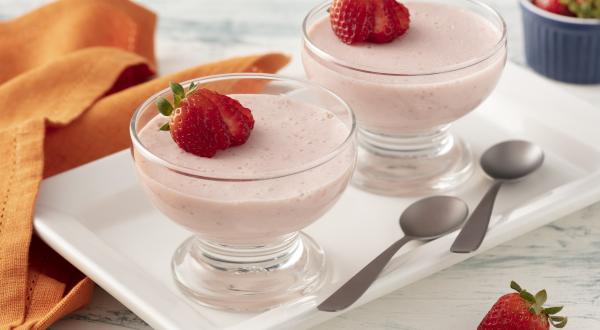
[[563, 257]]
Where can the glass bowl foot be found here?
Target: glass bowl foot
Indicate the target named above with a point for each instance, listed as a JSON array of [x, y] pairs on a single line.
[[417, 165], [249, 278]]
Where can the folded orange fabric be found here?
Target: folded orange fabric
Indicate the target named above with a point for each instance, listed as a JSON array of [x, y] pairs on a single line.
[[66, 99]]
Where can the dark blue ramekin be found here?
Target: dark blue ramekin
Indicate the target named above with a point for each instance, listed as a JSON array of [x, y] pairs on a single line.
[[560, 47]]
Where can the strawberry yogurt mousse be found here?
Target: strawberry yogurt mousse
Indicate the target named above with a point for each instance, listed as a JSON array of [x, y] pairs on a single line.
[[443, 67], [245, 173], [245, 195], [408, 69]]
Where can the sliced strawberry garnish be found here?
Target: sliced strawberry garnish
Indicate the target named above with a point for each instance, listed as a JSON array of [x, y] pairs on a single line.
[[352, 20], [392, 20], [377, 21], [238, 119], [203, 122], [403, 17], [196, 126], [245, 111]]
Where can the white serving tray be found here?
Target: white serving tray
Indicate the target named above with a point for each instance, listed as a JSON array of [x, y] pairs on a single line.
[[98, 218]]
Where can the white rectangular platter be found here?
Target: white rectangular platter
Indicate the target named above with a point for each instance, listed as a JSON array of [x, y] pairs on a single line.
[[98, 218]]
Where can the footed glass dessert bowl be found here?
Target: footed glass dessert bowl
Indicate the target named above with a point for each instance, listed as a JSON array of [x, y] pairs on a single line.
[[246, 206], [406, 93]]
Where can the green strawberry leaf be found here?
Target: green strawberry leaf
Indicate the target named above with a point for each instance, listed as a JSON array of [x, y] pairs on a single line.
[[176, 101], [552, 310], [515, 286], [541, 297], [177, 90], [558, 321], [527, 296], [192, 88], [165, 127], [164, 107]]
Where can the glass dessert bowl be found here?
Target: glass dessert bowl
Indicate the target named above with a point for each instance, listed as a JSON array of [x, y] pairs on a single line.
[[407, 93], [248, 204]]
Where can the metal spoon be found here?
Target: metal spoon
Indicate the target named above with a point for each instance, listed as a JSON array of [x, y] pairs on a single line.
[[426, 219], [510, 160]]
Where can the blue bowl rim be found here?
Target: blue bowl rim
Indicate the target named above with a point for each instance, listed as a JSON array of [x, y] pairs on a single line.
[[565, 19]]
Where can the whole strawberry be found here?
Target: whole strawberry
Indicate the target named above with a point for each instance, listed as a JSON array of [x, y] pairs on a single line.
[[203, 122], [522, 311]]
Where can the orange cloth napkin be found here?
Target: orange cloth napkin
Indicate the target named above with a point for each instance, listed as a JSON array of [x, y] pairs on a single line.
[[66, 97]]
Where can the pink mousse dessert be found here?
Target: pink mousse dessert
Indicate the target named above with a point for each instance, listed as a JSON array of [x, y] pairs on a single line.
[[245, 173], [393, 87], [406, 90], [289, 134]]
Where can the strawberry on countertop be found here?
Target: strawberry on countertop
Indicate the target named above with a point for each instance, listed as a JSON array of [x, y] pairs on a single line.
[[522, 311], [203, 121], [377, 21]]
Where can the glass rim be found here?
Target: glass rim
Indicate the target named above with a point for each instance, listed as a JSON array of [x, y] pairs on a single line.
[[138, 146], [364, 69]]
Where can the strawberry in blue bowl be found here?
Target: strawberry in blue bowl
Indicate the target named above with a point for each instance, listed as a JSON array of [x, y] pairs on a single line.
[[562, 39]]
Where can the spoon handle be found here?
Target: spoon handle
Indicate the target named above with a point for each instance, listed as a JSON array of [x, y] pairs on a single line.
[[474, 230], [359, 283]]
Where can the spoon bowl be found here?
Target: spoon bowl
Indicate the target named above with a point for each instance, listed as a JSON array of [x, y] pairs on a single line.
[[506, 161], [425, 219], [512, 160], [433, 217]]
